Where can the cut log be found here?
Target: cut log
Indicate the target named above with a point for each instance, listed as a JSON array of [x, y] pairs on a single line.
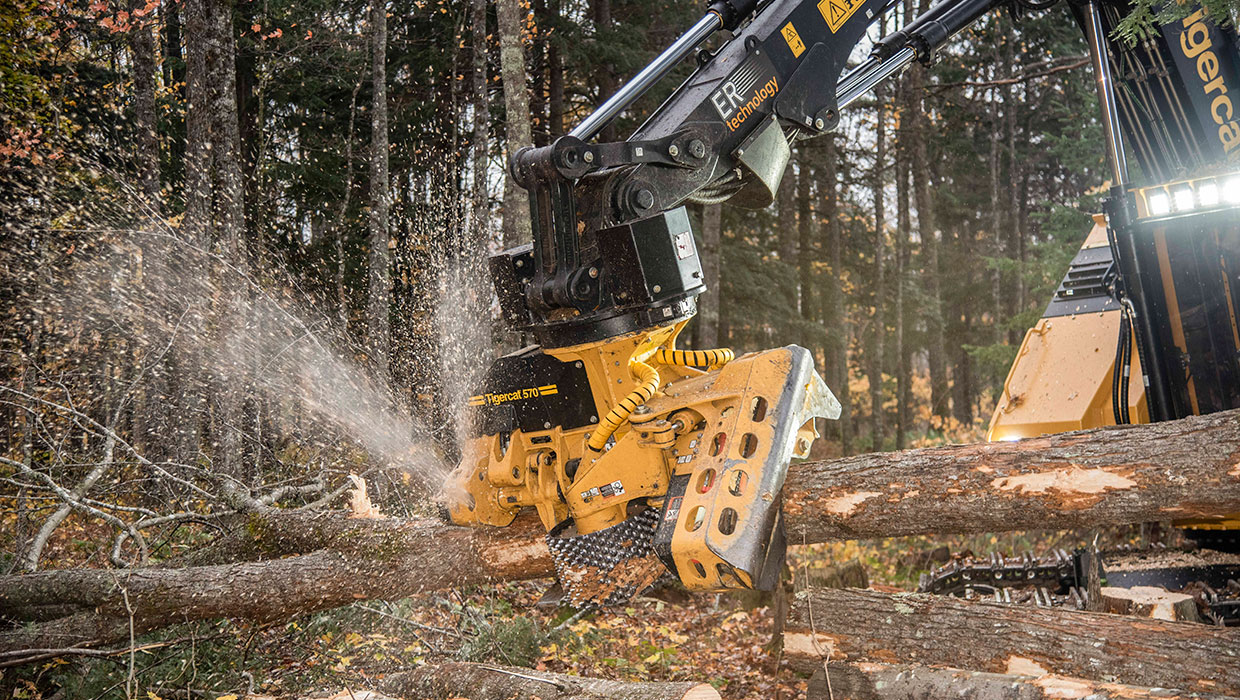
[[868, 626], [1110, 476], [865, 681], [1150, 601], [483, 682], [1188, 468]]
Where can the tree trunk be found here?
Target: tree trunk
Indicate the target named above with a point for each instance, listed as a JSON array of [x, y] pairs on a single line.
[[868, 626], [482, 121], [807, 229], [379, 281], [786, 205], [150, 428], [877, 350], [904, 394], [928, 230], [600, 10], [869, 681], [555, 68], [998, 303], [1107, 476], [708, 302], [454, 680], [186, 362], [229, 421], [145, 124], [843, 324], [516, 222]]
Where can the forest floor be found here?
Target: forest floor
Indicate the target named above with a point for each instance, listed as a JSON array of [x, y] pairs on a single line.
[[726, 640]]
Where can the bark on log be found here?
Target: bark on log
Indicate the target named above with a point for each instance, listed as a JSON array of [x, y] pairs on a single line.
[[865, 681], [1188, 468], [482, 682], [868, 626], [1110, 476]]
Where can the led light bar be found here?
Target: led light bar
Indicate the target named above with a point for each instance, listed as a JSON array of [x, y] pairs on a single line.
[[1189, 196]]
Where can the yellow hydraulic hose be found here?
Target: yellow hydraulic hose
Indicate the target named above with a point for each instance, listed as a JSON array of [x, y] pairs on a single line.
[[648, 384], [712, 359]]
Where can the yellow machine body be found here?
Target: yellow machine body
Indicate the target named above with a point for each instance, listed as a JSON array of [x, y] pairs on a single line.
[[1061, 378], [707, 450]]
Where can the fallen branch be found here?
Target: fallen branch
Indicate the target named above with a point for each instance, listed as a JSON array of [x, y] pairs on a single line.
[[868, 626], [865, 681], [484, 682]]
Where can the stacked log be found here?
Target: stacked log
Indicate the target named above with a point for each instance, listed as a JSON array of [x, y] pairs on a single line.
[[867, 681], [868, 626]]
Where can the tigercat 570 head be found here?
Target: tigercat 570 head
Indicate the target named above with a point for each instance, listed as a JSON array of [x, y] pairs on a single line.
[[1161, 266], [637, 456]]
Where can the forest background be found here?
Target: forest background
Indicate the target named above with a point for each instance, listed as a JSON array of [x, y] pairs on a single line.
[[245, 242]]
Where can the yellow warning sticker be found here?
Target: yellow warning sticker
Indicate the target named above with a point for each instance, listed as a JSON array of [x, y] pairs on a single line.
[[837, 12], [793, 39]]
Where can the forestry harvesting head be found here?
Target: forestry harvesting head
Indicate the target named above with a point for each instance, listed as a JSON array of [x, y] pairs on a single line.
[[640, 458]]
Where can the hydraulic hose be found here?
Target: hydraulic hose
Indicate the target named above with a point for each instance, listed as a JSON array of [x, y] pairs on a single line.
[[648, 384], [712, 359]]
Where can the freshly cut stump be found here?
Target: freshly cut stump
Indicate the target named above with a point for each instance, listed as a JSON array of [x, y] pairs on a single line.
[[1150, 601]]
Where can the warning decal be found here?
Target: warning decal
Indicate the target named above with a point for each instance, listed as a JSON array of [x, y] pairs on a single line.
[[793, 39], [837, 12]]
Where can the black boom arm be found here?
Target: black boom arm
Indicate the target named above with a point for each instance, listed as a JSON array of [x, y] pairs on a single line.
[[724, 134]]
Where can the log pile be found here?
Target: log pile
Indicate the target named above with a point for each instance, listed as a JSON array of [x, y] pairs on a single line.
[[277, 564]]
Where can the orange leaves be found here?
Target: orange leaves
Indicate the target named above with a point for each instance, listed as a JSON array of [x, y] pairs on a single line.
[[276, 33]]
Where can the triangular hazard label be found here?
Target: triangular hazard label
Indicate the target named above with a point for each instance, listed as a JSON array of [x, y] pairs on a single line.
[[836, 11]]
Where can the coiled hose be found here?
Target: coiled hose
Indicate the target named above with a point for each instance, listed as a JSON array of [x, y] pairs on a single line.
[[712, 359], [648, 384]]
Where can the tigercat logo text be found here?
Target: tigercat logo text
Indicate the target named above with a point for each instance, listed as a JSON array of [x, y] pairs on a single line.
[[1196, 44], [734, 108], [490, 399]]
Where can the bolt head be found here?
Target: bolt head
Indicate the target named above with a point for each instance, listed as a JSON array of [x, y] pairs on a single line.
[[696, 148], [588, 156], [819, 123], [644, 199], [594, 273], [673, 150]]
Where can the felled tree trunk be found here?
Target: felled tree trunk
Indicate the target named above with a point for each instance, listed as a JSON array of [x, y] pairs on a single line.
[[868, 626], [1110, 476], [483, 682], [336, 561], [866, 681]]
